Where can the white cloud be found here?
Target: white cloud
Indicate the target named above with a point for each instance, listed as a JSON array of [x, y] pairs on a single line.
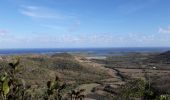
[[85, 40], [42, 12], [164, 30], [101, 38], [51, 18]]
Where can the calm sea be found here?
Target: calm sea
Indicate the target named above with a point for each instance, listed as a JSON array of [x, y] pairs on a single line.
[[80, 50]]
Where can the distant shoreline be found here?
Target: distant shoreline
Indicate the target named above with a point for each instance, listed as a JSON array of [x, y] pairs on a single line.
[[98, 51]]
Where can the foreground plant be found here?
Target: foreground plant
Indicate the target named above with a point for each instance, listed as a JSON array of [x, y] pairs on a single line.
[[77, 94], [5, 86], [12, 87], [55, 89]]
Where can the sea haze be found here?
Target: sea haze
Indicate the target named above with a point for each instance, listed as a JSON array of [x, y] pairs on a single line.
[[99, 51]]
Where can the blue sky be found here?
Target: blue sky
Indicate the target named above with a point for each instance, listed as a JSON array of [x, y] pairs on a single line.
[[84, 23]]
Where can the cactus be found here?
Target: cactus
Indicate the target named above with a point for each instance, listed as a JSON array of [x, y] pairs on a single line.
[[3, 77], [77, 94], [15, 65], [5, 86], [14, 68], [55, 88], [11, 86]]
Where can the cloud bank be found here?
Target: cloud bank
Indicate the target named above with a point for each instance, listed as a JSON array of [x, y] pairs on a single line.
[[165, 30], [87, 40]]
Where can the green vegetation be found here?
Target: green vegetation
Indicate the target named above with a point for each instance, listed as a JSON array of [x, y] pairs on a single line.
[[139, 89], [12, 88], [136, 89], [54, 89], [59, 76], [32, 77]]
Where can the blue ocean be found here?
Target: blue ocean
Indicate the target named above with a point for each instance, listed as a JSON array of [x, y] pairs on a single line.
[[99, 51]]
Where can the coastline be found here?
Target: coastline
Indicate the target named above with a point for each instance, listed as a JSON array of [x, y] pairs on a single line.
[[96, 51]]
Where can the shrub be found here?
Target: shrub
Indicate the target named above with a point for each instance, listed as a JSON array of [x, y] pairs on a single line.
[[137, 88]]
